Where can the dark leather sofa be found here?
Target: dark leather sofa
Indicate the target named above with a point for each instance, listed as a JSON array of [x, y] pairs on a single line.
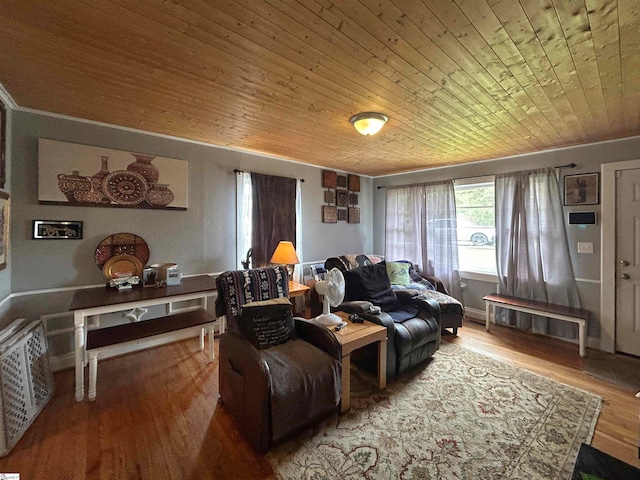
[[413, 324]]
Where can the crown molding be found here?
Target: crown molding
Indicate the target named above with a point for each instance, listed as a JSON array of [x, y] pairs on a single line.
[[7, 99], [511, 157]]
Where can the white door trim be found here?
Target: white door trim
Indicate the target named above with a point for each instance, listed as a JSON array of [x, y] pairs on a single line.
[[608, 255]]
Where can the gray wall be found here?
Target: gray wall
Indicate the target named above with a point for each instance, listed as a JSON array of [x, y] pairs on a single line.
[[201, 239], [588, 158]]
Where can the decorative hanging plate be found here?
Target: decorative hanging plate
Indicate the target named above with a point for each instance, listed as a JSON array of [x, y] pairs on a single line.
[[122, 264], [121, 243], [124, 187]]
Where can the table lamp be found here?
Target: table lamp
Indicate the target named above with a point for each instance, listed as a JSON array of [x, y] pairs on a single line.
[[285, 254]]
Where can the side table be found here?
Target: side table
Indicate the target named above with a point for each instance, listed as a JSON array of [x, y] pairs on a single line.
[[298, 290], [352, 337]]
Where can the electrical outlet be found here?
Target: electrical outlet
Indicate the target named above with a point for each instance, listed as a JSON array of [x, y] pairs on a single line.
[[585, 247]]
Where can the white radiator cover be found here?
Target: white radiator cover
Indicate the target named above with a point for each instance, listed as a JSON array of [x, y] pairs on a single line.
[[26, 383]]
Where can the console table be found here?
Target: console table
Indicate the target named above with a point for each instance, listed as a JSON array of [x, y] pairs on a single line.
[[101, 300]]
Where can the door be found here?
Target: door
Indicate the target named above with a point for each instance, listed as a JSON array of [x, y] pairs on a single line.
[[628, 261]]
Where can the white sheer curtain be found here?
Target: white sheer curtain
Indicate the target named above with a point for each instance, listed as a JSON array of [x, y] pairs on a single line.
[[404, 232], [297, 272], [244, 226], [533, 259], [244, 202], [421, 227]]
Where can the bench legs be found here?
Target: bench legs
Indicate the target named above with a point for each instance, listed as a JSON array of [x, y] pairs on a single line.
[[582, 323], [93, 360], [582, 336], [487, 315], [93, 373]]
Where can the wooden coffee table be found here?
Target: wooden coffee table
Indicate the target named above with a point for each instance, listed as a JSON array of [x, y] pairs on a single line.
[[352, 337]]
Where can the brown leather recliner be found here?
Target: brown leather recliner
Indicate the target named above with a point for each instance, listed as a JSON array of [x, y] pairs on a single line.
[[278, 391]]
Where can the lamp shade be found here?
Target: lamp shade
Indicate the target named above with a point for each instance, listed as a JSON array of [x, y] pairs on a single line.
[[285, 254], [369, 123]]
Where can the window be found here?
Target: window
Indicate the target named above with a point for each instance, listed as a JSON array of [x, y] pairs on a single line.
[[245, 224], [476, 226]]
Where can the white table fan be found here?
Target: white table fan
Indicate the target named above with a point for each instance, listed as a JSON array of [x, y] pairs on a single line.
[[332, 289]]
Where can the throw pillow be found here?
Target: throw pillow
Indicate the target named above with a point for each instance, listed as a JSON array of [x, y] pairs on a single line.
[[267, 323], [416, 278], [398, 273], [370, 283]]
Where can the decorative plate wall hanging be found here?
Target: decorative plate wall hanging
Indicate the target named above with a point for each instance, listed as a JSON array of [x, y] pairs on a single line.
[[121, 244]]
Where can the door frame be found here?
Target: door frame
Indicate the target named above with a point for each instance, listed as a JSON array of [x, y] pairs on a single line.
[[608, 252]]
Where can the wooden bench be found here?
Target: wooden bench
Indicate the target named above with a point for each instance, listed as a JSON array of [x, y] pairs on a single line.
[[544, 309], [100, 339]]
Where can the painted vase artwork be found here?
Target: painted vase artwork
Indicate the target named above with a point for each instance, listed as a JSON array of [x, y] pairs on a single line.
[[145, 182]]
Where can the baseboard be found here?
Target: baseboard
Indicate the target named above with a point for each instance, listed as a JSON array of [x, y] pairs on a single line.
[[475, 315]]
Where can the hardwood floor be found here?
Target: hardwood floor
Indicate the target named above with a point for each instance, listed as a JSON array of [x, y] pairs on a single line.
[[157, 416]]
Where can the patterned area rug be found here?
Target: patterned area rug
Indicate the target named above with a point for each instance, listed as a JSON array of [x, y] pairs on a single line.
[[464, 415]]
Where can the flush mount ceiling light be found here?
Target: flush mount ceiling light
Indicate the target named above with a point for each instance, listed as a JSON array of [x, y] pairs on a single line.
[[369, 123]]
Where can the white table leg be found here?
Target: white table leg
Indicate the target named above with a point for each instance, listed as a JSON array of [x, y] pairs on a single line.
[[203, 332], [78, 322], [582, 335]]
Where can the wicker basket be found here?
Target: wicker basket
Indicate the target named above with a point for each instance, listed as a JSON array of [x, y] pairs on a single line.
[[26, 383]]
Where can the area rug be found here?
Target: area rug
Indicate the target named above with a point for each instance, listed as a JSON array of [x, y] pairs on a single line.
[[464, 415]]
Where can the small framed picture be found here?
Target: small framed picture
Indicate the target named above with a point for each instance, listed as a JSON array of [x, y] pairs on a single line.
[[329, 196], [329, 178], [581, 189], [342, 214], [57, 229], [353, 199], [354, 183], [354, 215], [342, 181], [342, 198], [329, 214]]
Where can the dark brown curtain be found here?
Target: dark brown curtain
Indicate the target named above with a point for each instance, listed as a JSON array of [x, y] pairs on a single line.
[[274, 215]]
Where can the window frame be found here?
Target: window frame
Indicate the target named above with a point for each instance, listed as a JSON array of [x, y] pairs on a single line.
[[479, 275]]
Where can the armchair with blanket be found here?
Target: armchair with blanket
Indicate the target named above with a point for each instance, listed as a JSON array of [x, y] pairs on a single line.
[[413, 324], [277, 373]]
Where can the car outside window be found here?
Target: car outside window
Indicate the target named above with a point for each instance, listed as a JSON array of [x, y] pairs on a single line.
[[475, 212]]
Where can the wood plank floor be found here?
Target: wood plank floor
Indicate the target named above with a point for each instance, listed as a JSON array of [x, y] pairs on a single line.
[[157, 416]]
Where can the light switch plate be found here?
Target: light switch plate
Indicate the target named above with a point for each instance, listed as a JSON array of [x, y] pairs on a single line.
[[585, 247]]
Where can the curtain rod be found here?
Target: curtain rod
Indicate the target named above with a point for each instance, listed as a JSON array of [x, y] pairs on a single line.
[[568, 165], [236, 170]]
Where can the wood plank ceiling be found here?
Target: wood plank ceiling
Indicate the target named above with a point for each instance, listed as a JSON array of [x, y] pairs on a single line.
[[461, 80]]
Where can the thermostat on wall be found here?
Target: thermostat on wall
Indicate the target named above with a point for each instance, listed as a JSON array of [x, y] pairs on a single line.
[[582, 218]]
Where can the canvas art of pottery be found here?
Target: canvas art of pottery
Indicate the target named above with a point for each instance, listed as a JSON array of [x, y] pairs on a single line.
[[144, 167]]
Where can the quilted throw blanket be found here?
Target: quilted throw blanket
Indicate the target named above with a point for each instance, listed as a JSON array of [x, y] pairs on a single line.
[[447, 303], [235, 288]]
